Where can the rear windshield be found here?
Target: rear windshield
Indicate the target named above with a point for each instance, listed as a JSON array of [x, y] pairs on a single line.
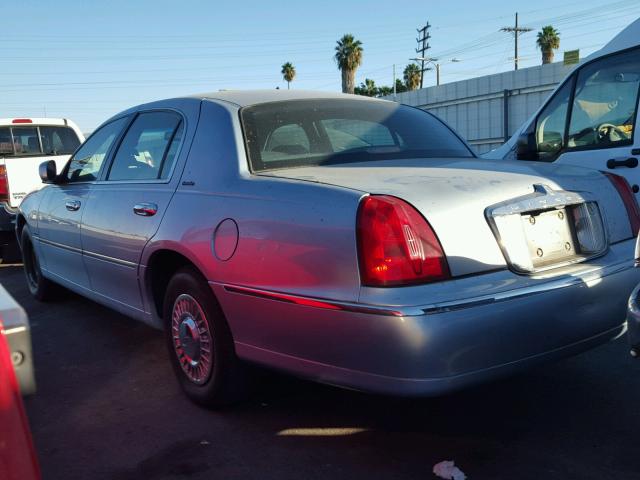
[[321, 132], [37, 140]]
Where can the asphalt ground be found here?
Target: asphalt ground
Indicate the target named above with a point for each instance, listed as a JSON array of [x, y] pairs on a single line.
[[108, 407]]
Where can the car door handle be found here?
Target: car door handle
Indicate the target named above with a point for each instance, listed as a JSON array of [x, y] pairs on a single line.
[[630, 162], [145, 209], [72, 205]]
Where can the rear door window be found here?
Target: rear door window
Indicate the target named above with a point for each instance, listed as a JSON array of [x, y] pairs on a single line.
[[149, 148]]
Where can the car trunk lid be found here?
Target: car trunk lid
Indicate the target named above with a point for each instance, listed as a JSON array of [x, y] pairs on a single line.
[[460, 196]]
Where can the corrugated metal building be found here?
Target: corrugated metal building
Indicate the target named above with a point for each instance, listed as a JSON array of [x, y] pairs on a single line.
[[487, 110]]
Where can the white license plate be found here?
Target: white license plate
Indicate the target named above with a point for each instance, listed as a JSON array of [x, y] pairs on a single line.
[[549, 237]]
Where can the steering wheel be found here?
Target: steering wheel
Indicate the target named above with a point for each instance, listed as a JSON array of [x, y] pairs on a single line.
[[611, 133]]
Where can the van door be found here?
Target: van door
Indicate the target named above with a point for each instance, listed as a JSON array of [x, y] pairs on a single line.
[[591, 120]]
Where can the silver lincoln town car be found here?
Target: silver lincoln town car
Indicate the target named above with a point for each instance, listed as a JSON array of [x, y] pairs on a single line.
[[348, 240]]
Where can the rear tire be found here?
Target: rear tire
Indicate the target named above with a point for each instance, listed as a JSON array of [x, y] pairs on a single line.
[[201, 348], [40, 287]]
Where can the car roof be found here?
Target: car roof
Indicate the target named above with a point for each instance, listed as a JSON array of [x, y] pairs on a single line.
[[244, 98]]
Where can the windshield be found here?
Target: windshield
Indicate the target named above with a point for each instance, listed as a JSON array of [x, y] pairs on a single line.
[[35, 140], [320, 132]]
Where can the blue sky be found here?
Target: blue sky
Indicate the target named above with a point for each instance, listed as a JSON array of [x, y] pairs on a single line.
[[88, 60]]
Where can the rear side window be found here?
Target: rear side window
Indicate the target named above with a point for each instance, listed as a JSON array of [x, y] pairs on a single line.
[[26, 141], [6, 144], [58, 140], [37, 140], [149, 147], [300, 133]]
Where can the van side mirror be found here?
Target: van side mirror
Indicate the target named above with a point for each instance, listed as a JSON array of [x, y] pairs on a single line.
[[48, 171], [526, 148]]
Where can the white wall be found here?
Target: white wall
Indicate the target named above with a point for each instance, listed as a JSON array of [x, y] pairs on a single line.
[[475, 107]]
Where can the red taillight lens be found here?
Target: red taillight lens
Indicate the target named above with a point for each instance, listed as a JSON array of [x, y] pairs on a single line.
[[396, 245], [21, 120], [4, 187], [629, 200]]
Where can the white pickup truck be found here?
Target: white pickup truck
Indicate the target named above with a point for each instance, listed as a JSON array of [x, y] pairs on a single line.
[[24, 144]]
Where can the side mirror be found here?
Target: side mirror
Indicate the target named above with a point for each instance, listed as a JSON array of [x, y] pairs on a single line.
[[48, 171], [526, 147]]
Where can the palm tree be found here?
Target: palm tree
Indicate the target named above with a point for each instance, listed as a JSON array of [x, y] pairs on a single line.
[[548, 41], [288, 73], [349, 58], [412, 76]]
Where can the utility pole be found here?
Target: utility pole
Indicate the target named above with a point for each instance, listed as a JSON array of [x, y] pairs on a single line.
[[394, 82], [423, 46], [516, 33], [437, 74]]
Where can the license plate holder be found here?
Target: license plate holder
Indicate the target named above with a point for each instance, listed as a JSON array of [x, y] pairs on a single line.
[[549, 236]]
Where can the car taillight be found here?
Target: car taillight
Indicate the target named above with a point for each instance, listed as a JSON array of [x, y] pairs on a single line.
[[396, 245], [21, 120], [629, 200], [4, 186]]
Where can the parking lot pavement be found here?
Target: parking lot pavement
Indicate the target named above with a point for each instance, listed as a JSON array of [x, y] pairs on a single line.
[[108, 407]]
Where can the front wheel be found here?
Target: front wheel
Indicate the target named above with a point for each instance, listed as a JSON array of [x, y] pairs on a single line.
[[40, 287], [200, 344]]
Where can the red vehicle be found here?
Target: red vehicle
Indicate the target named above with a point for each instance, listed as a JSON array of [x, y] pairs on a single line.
[[17, 456]]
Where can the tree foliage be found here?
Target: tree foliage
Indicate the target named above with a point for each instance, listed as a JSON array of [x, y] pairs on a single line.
[[348, 56], [288, 73], [548, 40], [411, 76], [368, 88]]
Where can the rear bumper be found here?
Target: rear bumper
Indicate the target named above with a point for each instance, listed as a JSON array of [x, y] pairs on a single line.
[[433, 349]]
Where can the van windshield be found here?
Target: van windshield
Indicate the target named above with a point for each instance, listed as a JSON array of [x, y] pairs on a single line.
[[298, 133], [36, 140]]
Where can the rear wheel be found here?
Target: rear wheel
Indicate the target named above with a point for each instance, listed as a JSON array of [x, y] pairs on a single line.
[[200, 343], [40, 287]]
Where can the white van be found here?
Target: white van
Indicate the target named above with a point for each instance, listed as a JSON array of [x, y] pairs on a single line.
[[591, 119], [24, 144]]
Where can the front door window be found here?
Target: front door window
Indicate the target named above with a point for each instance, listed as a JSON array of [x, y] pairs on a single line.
[[604, 107]]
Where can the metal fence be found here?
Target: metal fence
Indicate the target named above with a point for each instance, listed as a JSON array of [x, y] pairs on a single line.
[[487, 110]]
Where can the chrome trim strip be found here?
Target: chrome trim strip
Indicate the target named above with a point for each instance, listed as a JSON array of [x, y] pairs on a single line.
[[313, 302], [106, 258], [436, 308], [99, 256], [59, 245]]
